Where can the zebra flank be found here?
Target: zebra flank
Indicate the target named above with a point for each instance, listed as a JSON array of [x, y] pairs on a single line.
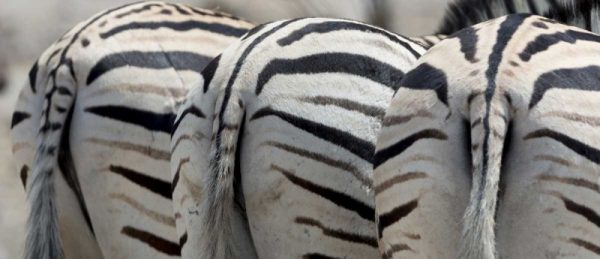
[[91, 131]]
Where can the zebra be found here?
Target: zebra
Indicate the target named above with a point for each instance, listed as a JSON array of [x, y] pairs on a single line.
[[494, 132], [464, 13], [280, 145], [99, 109]]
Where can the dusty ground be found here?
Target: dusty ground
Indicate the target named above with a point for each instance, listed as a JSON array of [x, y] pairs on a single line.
[[25, 32]]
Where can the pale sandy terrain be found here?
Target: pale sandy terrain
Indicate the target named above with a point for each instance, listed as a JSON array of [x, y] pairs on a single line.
[[27, 27]]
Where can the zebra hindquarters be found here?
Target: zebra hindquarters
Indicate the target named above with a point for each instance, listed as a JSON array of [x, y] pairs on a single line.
[[311, 93], [421, 178], [550, 205]]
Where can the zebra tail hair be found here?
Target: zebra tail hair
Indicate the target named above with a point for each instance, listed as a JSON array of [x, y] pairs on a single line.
[[479, 219], [43, 235], [219, 212]]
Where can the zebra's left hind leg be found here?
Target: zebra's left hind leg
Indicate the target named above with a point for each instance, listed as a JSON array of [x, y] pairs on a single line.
[[421, 180]]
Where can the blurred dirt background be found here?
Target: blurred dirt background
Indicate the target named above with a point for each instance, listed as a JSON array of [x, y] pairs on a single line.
[[27, 27]]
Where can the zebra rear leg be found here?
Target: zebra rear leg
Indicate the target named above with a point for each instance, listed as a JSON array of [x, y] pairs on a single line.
[[421, 177], [194, 186]]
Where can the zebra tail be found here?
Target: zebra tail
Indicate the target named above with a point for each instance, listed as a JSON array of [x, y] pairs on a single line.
[[479, 219], [219, 211], [43, 234]]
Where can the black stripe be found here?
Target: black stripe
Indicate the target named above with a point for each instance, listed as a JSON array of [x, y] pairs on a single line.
[[254, 30], [174, 182], [333, 62], [67, 168], [209, 72], [137, 10], [179, 60], [510, 6], [396, 149], [586, 244], [3, 82], [340, 199], [425, 77], [545, 41], [183, 239], [236, 71], [63, 90], [325, 159], [578, 147], [579, 182], [212, 13], [317, 256], [33, 76], [347, 104], [18, 117], [24, 174], [360, 147], [155, 185], [50, 127], [540, 25], [387, 219], [193, 110], [472, 97], [585, 78], [158, 243], [146, 119], [394, 249], [338, 233], [330, 26], [218, 28], [468, 43], [52, 55], [505, 33], [582, 210], [179, 9], [588, 16]]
